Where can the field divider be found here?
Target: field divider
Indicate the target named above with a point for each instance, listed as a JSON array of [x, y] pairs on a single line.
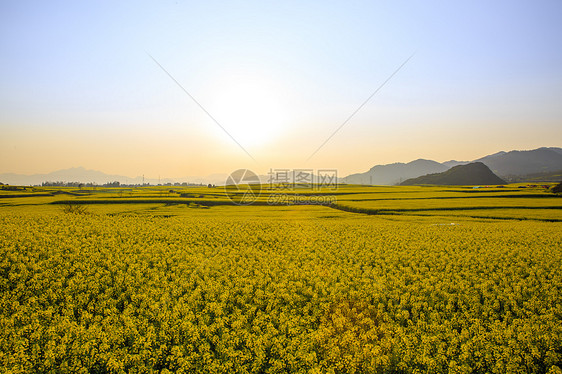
[[374, 211]]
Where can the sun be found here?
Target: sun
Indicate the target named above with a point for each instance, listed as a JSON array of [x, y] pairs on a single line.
[[250, 107]]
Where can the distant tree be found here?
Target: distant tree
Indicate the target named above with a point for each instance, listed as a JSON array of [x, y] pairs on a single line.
[[557, 188], [74, 209]]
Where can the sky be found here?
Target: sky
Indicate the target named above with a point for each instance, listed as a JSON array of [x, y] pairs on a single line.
[[177, 88]]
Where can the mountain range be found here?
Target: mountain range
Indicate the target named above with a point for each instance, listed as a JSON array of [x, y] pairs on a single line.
[[511, 166], [396, 173], [516, 163], [80, 174]]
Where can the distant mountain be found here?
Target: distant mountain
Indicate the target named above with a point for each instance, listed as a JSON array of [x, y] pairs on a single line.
[[475, 173], [511, 166], [78, 174], [82, 175], [452, 163], [557, 150], [514, 163], [395, 173]]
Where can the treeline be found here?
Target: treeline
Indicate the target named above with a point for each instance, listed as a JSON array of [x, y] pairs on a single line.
[[79, 184], [116, 184], [6, 187]]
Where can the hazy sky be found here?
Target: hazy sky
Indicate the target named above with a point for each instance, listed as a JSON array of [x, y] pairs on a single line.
[[78, 87]]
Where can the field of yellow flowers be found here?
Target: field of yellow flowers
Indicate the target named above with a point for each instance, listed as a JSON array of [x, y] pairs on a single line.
[[383, 280], [277, 289]]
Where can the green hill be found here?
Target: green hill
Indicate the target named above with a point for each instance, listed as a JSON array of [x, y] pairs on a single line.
[[393, 173], [475, 173]]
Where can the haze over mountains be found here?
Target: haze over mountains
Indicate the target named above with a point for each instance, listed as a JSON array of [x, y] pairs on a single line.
[[507, 165], [524, 162], [80, 174], [395, 173]]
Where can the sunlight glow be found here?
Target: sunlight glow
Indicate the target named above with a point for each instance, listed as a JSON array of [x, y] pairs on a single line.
[[250, 107]]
